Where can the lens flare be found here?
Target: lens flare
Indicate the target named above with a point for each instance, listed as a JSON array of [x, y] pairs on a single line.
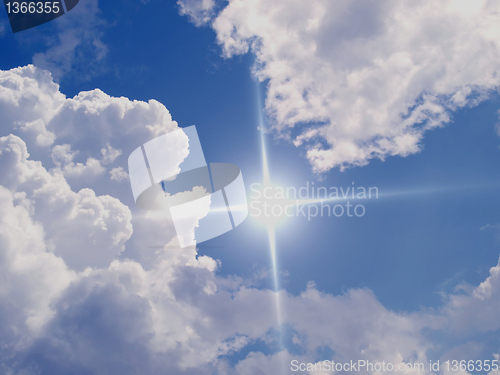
[[271, 232]]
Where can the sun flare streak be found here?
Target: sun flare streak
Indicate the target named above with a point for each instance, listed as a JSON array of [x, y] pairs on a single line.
[[271, 231]]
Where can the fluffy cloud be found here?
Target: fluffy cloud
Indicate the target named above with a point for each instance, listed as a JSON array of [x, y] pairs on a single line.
[[32, 276], [28, 95], [85, 137], [118, 174], [477, 311], [62, 156], [356, 80], [86, 288], [84, 230]]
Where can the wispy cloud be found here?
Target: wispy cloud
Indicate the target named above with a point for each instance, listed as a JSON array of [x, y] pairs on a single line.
[[77, 46], [200, 12]]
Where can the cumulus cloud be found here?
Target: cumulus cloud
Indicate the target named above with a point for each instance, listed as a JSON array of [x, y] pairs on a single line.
[[86, 287], [28, 95], [32, 276], [477, 311], [84, 230], [350, 81], [63, 156], [37, 129], [84, 137]]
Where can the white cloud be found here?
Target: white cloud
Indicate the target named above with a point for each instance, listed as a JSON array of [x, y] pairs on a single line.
[[37, 128], [63, 156], [109, 154], [28, 95], [200, 12], [355, 80], [32, 277], [78, 43], [477, 311], [84, 230], [91, 168], [85, 137], [118, 174], [157, 309]]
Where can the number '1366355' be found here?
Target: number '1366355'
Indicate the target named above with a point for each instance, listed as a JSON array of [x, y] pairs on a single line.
[[24, 15]]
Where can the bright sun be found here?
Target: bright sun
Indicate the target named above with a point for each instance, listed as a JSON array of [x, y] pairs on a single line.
[[269, 204]]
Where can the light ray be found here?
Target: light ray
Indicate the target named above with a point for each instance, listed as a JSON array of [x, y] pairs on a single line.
[[271, 229], [274, 262]]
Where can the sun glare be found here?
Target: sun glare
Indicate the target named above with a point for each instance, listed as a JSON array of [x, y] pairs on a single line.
[[268, 205]]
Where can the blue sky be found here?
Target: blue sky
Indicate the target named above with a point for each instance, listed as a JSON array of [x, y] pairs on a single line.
[[407, 111]]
